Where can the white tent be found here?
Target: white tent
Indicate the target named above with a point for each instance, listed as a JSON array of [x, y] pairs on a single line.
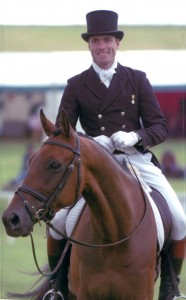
[[50, 70], [47, 69]]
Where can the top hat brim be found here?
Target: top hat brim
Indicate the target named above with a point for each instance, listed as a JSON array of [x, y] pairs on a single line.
[[118, 34]]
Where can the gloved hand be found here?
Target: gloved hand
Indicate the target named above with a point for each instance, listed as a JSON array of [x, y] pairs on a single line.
[[123, 139], [106, 142]]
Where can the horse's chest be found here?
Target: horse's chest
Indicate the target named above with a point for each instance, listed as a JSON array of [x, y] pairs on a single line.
[[103, 287]]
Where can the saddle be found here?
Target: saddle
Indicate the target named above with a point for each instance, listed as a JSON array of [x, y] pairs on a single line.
[[160, 208], [166, 217], [72, 219]]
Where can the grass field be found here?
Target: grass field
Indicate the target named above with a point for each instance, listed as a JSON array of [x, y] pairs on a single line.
[[16, 259], [65, 38], [15, 254], [11, 154]]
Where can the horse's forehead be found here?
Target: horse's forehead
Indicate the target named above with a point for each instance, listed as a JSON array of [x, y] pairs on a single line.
[[49, 151]]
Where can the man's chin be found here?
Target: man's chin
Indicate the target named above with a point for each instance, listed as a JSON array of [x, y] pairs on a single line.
[[104, 64]]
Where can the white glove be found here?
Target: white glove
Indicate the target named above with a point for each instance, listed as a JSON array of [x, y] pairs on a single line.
[[106, 142], [123, 139]]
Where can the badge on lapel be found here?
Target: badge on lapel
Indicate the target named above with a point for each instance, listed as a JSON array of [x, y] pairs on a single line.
[[133, 99]]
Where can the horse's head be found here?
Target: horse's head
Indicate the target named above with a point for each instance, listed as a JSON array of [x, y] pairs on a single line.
[[53, 180]]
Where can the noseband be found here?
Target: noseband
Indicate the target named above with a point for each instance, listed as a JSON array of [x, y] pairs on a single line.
[[46, 213]]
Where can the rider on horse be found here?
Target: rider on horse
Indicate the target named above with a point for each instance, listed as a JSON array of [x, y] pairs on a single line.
[[118, 108]]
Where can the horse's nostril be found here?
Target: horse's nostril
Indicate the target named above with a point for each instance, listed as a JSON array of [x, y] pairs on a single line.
[[12, 223], [14, 220]]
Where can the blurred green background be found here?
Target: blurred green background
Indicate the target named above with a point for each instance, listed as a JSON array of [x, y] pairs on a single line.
[[68, 38]]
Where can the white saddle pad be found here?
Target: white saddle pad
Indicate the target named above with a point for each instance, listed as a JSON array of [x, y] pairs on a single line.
[[75, 212], [73, 216]]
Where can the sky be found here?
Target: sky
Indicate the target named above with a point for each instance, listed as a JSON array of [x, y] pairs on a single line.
[[72, 12]]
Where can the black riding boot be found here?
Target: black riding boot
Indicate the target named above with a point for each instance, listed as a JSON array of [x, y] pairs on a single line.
[[55, 250], [176, 253]]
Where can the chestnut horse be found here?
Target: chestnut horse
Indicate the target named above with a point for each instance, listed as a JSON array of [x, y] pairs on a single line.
[[117, 216]]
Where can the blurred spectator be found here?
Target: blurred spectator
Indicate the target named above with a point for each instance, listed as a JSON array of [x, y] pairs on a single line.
[[34, 124], [170, 167], [17, 181]]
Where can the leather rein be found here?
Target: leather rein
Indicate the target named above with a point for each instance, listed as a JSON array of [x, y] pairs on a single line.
[[46, 213]]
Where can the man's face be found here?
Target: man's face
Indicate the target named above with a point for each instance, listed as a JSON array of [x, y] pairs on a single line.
[[103, 50]]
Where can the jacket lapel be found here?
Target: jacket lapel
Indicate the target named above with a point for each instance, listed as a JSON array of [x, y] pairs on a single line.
[[117, 84], [106, 95], [93, 83]]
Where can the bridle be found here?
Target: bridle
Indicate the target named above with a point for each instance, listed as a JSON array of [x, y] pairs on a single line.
[[46, 213]]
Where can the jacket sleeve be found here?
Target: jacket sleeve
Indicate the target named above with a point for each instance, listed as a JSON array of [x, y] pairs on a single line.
[[153, 124], [70, 104]]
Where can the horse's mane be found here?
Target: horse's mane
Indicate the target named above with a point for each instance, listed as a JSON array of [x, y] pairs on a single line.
[[85, 135], [124, 165], [58, 131]]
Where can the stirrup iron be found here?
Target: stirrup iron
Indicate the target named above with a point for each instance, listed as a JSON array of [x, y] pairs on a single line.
[[52, 294], [180, 297]]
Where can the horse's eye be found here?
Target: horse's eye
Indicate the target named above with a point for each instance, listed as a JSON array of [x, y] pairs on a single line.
[[55, 166]]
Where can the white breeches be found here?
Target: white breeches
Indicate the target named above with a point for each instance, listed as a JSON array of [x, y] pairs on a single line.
[[154, 177]]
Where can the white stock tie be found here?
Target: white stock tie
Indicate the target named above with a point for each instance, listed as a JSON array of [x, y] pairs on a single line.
[[105, 75]]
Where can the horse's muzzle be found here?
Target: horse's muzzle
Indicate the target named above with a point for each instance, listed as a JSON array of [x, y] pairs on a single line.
[[14, 226]]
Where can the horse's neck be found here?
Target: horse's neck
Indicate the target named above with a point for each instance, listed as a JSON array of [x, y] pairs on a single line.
[[110, 193]]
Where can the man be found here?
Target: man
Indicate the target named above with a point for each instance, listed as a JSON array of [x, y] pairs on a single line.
[[116, 106]]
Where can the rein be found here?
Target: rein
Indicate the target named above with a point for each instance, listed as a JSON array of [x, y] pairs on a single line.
[[49, 224], [46, 213]]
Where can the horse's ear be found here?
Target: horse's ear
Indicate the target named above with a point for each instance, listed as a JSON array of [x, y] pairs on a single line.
[[48, 127], [65, 124]]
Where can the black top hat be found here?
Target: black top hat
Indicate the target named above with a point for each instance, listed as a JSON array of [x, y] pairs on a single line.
[[102, 22]]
